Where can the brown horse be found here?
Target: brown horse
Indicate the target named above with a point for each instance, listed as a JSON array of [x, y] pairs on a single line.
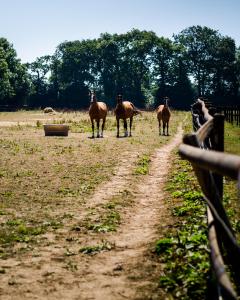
[[125, 110], [163, 114], [97, 111]]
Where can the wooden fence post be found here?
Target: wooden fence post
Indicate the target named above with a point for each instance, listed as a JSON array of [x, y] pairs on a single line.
[[217, 140]]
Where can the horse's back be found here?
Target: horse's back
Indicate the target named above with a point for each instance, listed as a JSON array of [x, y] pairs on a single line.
[[163, 113], [159, 111], [98, 110], [124, 110], [102, 107], [166, 113]]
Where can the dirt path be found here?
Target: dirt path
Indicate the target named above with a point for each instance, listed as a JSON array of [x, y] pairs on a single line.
[[134, 236], [52, 274]]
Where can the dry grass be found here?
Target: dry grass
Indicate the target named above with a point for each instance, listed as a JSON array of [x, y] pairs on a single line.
[[47, 183]]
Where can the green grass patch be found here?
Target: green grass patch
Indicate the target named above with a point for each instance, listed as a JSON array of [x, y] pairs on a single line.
[[232, 139], [94, 249], [142, 165], [108, 222], [184, 250], [20, 233], [231, 191]]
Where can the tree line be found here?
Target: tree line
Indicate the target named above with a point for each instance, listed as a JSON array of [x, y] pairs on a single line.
[[141, 66]]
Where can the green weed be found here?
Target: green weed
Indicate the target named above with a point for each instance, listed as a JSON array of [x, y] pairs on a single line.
[[185, 250], [142, 165], [104, 246]]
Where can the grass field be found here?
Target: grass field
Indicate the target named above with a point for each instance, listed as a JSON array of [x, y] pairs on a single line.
[[47, 185]]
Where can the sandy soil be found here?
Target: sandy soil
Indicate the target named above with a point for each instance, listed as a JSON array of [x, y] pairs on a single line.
[[53, 271]]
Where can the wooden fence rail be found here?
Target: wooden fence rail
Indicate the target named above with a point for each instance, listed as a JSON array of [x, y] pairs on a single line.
[[204, 149]]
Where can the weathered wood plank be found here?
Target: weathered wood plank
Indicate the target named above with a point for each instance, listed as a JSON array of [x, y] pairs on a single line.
[[221, 163], [217, 261]]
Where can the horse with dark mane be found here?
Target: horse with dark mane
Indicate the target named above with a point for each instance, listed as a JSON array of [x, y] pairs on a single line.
[[97, 111], [125, 110], [163, 115]]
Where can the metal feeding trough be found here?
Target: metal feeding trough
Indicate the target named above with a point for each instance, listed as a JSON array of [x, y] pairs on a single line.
[[56, 129]]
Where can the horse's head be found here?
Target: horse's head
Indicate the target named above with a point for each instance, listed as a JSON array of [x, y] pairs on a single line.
[[92, 95], [119, 98], [165, 101]]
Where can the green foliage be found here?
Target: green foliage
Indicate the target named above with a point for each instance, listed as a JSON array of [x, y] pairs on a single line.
[[20, 232], [211, 59], [143, 165], [184, 251], [232, 139], [108, 222], [104, 246], [14, 83], [138, 64], [231, 189], [164, 246]]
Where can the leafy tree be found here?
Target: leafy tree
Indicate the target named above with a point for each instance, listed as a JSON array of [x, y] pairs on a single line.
[[211, 61], [73, 64], [138, 64], [199, 44], [6, 90], [163, 64], [136, 61], [181, 90], [14, 81], [224, 79], [39, 81], [237, 77]]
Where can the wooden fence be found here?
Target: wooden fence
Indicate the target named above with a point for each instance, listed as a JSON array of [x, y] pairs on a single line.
[[231, 113], [204, 149]]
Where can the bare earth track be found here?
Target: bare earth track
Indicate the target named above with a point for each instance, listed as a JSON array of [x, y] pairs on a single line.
[[108, 274], [134, 235]]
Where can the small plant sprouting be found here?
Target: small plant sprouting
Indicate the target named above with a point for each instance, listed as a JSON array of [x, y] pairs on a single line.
[[143, 165], [104, 246]]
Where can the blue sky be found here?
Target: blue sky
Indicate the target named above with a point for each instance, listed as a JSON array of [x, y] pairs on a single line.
[[37, 27]]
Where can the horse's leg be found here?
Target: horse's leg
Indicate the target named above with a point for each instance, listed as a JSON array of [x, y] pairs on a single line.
[[103, 124], [117, 127], [125, 127], [159, 126], [98, 123], [131, 121], [164, 126], [92, 121], [167, 129]]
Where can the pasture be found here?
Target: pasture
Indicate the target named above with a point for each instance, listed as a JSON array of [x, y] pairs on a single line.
[[80, 217], [64, 197]]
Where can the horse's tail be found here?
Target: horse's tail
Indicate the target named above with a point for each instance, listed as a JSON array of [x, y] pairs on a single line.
[[136, 111]]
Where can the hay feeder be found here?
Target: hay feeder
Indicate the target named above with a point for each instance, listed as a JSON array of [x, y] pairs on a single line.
[[56, 130]]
